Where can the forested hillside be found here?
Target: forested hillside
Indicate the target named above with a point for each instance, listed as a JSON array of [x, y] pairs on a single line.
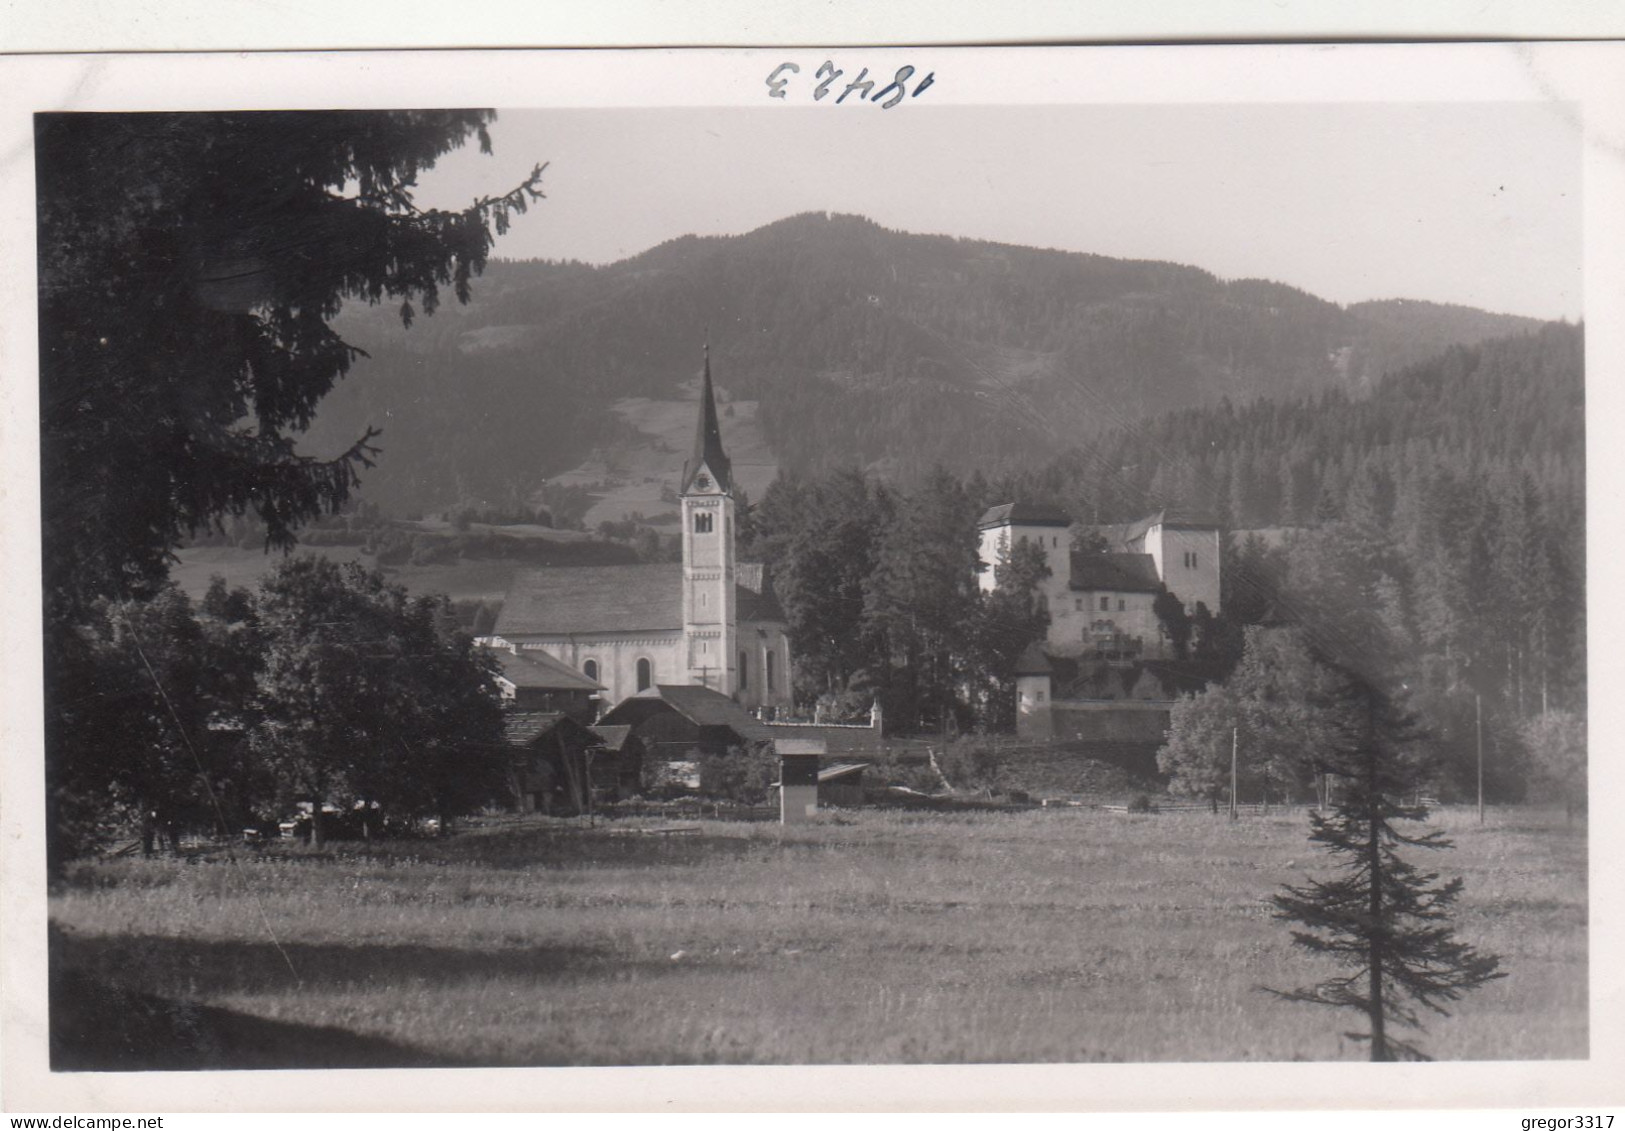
[[1443, 514], [867, 348]]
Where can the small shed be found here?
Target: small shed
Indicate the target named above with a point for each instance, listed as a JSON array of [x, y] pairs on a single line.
[[554, 762], [842, 784]]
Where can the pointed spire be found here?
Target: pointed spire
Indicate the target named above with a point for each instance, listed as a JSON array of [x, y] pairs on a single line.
[[708, 451]]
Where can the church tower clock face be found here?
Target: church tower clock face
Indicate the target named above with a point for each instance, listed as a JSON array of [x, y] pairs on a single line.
[[702, 481]]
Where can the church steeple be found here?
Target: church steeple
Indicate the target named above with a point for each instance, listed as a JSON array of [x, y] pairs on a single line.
[[708, 453]]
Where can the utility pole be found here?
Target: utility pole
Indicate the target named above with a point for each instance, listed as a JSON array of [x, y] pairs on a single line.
[[1233, 741], [1478, 725]]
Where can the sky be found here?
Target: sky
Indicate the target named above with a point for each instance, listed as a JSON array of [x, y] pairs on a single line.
[[1477, 203]]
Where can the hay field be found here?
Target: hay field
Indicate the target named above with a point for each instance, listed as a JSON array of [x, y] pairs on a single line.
[[869, 937]]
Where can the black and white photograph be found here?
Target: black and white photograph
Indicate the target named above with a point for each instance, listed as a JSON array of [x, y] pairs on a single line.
[[870, 562]]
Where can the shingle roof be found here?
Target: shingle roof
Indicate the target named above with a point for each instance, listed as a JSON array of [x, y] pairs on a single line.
[[1121, 573], [573, 599], [613, 737], [1026, 514], [615, 598], [699, 705], [537, 669], [520, 728]]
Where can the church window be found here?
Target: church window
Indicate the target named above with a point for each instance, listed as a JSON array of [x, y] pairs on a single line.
[[770, 671], [703, 596], [590, 669], [744, 671], [1105, 604], [646, 675], [702, 523]]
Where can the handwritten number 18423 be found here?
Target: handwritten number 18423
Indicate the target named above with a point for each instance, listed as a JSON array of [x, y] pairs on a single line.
[[862, 85]]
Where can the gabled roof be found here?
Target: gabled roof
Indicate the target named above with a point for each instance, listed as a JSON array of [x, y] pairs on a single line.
[[1118, 573], [1128, 534], [575, 599], [521, 728], [708, 438], [613, 737], [566, 600], [756, 603], [699, 705], [1024, 514], [536, 669]]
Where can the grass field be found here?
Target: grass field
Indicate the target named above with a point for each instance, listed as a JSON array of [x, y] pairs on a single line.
[[869, 937]]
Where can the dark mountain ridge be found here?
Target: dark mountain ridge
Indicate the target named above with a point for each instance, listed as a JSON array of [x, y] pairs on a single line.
[[865, 347]]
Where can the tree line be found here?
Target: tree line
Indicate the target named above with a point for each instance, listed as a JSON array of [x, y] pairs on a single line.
[[186, 338], [326, 685]]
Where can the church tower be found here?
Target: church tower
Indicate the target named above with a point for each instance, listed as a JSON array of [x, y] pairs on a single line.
[[710, 619]]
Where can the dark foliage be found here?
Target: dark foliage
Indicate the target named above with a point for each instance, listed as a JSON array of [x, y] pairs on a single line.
[[1383, 920]]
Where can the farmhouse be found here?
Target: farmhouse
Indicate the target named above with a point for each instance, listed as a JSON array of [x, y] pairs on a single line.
[[535, 681], [709, 622]]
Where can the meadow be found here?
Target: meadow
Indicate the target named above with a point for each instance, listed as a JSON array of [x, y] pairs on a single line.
[[867, 937]]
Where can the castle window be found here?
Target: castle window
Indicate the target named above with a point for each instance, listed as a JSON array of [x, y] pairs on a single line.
[[1105, 604], [1039, 696], [1078, 604], [744, 671], [590, 669], [646, 675], [1122, 605], [1190, 559], [702, 523]]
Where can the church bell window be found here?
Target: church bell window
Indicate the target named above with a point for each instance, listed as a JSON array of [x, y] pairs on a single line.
[[702, 523]]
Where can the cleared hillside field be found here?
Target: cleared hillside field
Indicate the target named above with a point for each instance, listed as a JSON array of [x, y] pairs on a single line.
[[869, 937]]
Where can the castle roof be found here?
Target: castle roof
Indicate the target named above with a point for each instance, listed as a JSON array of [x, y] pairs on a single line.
[[708, 438], [1024, 514], [574, 600], [1033, 661], [1120, 573]]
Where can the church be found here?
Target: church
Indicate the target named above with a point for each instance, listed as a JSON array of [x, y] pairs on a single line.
[[711, 621]]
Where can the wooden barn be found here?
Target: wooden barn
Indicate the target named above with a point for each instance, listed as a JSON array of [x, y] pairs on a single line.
[[676, 725], [557, 765]]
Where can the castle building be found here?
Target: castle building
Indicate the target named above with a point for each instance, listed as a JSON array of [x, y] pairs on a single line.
[[1101, 604], [710, 621]]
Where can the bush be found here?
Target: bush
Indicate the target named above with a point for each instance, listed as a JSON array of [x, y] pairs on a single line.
[[739, 774]]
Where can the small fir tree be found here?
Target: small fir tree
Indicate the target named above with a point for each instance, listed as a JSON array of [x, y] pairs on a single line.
[[1384, 920]]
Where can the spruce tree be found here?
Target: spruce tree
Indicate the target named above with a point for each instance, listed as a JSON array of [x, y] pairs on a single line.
[[1385, 921]]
